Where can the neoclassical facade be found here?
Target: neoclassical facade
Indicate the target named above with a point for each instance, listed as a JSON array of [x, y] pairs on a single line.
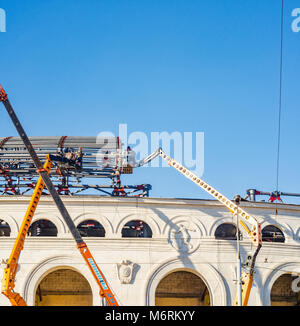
[[187, 253]]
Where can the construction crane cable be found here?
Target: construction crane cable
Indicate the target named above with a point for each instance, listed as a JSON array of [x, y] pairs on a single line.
[[280, 95]]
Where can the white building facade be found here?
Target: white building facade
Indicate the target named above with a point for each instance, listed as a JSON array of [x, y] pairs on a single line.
[[182, 243]]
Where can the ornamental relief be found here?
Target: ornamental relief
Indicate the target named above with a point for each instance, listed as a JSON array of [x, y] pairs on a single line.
[[184, 235], [126, 271]]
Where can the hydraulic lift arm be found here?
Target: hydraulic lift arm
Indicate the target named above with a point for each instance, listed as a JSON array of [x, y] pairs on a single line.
[[255, 228], [105, 290], [8, 282]]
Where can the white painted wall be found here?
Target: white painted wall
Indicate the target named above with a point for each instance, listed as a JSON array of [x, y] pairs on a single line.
[[213, 260]]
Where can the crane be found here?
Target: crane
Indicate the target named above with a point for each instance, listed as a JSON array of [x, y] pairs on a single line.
[[10, 271], [8, 282], [254, 231], [105, 290]]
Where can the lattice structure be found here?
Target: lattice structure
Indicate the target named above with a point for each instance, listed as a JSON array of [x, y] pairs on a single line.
[[75, 159], [273, 195]]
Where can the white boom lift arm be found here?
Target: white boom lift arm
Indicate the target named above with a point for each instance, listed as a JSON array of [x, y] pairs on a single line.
[[254, 231]]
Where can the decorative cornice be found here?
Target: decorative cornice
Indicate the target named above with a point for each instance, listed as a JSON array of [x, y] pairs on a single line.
[[90, 199]]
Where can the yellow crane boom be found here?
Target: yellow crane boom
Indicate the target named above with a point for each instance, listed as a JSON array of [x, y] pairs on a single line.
[[8, 281], [254, 231]]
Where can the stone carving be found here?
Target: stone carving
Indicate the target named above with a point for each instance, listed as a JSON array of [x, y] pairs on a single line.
[[125, 271], [184, 236]]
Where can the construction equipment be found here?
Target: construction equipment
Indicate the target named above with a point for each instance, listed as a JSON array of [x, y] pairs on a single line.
[[8, 282], [88, 158], [273, 195], [255, 228], [105, 290]]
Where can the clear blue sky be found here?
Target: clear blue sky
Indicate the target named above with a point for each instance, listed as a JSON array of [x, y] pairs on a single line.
[[82, 67]]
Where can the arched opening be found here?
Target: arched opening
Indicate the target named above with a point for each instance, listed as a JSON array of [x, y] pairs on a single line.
[[64, 287], [272, 233], [91, 228], [136, 229], [4, 229], [226, 231], [42, 228], [286, 291], [182, 288]]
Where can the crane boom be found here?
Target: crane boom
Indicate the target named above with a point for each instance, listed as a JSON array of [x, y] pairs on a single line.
[[254, 232], [8, 282], [105, 290]]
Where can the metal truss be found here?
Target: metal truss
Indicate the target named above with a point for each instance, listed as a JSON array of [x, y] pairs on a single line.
[[74, 159]]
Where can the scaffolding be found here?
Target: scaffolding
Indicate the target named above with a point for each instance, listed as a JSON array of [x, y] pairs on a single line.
[[273, 195], [76, 161]]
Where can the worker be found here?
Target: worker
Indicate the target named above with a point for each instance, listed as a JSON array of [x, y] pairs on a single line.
[[106, 160], [130, 157]]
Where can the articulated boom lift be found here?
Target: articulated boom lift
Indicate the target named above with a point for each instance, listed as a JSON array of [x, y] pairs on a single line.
[[10, 271], [255, 228], [12, 263], [8, 282]]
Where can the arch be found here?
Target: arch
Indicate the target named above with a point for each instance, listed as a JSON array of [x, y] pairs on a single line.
[[272, 233], [36, 275], [136, 229], [287, 268], [297, 235], [63, 287], [135, 217], [53, 218], [98, 218], [182, 288], [42, 228], [4, 229], [12, 223], [209, 275], [226, 220], [226, 231], [285, 290], [91, 228], [285, 228]]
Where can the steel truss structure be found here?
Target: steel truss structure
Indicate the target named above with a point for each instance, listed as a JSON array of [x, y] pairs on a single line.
[[273, 195], [76, 161]]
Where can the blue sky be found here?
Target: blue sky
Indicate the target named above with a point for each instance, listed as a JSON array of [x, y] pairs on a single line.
[[82, 67]]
